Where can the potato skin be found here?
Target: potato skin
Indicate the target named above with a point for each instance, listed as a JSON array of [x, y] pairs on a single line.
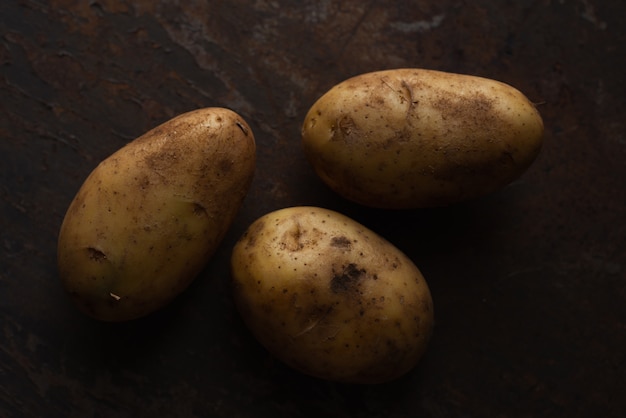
[[411, 138], [331, 298], [149, 217]]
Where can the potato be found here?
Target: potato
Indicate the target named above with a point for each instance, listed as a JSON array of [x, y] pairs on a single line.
[[411, 138], [149, 217], [331, 298]]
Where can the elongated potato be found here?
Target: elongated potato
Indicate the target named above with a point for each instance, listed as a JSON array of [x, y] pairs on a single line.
[[149, 217], [331, 298], [410, 138]]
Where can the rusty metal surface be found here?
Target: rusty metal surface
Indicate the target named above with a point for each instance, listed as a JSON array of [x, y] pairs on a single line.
[[529, 284]]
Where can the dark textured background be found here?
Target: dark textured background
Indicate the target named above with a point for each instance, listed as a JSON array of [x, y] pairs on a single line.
[[529, 283]]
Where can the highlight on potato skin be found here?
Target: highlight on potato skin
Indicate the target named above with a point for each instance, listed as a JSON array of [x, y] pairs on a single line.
[[411, 138], [149, 217], [331, 298]]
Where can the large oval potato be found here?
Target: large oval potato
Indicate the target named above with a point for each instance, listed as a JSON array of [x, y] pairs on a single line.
[[331, 298], [149, 217], [410, 138]]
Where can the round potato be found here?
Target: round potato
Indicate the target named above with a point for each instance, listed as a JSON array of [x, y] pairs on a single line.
[[331, 298], [150, 216], [411, 138]]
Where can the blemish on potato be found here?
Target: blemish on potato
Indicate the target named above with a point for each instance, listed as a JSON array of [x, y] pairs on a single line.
[[341, 242], [347, 128], [225, 166], [291, 238], [198, 209], [347, 279], [460, 106], [96, 255], [242, 127], [253, 232]]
